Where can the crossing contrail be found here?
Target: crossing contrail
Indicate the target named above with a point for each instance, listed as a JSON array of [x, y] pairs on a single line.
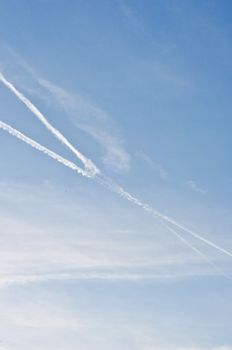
[[196, 250], [155, 213], [42, 149], [91, 170], [112, 186], [88, 164]]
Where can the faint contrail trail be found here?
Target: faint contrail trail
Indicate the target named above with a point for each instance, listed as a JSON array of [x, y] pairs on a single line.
[[91, 169], [205, 257], [119, 190], [43, 149], [89, 166]]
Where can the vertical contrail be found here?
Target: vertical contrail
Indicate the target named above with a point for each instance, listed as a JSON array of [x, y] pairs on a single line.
[[88, 164]]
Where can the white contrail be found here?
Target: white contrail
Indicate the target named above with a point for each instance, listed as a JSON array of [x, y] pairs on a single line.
[[43, 149], [120, 191], [88, 164], [92, 170]]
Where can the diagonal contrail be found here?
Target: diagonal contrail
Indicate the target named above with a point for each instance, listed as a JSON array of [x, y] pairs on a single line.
[[42, 149], [90, 169], [89, 166], [196, 250], [155, 213]]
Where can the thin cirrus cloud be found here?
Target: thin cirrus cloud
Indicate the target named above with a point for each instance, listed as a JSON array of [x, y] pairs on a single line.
[[214, 348], [131, 18], [194, 187], [91, 120], [163, 173], [61, 253]]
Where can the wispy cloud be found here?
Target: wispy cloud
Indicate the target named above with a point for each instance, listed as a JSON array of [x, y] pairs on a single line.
[[94, 121], [131, 17], [49, 252], [194, 187], [163, 173], [165, 74], [204, 348]]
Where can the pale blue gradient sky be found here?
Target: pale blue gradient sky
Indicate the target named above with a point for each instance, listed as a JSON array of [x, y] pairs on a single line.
[[142, 88]]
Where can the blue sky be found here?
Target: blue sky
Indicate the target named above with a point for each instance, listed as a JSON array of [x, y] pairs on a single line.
[[142, 88]]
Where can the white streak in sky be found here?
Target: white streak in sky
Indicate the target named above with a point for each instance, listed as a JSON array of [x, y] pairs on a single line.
[[89, 166], [41, 148], [155, 213], [205, 257]]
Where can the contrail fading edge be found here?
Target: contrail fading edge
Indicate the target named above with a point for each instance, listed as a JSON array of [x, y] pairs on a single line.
[[155, 213]]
